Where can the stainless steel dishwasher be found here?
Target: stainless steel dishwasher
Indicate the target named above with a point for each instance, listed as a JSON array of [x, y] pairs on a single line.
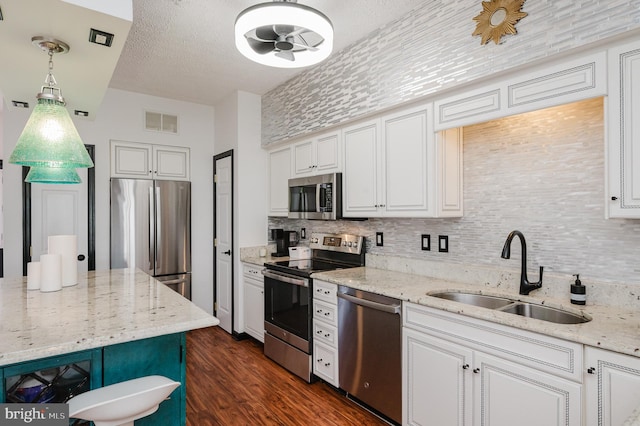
[[370, 350]]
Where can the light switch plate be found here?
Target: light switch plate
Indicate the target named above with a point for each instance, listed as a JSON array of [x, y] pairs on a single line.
[[379, 239]]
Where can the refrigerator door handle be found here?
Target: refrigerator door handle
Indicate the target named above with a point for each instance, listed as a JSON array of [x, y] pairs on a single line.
[[160, 249], [152, 226]]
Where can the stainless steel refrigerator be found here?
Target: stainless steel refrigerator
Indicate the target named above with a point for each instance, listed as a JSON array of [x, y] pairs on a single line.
[[151, 229]]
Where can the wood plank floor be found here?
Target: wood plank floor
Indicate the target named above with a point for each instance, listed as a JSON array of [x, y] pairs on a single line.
[[231, 382]]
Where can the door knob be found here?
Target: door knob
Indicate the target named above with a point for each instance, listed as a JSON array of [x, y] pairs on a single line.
[[228, 252], [81, 257]]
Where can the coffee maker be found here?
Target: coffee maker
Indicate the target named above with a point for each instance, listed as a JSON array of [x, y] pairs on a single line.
[[284, 240]]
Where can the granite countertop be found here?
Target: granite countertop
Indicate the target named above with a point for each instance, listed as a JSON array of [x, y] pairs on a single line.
[[105, 308], [611, 328]]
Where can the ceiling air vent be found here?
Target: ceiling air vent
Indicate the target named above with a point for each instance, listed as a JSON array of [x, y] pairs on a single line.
[[161, 122]]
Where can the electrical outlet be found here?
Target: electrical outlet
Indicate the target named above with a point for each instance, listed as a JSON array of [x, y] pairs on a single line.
[[443, 243], [426, 242], [379, 239], [303, 233]]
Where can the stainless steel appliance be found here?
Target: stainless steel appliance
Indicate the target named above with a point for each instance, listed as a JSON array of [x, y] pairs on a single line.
[[288, 294], [370, 350], [151, 229], [316, 197]]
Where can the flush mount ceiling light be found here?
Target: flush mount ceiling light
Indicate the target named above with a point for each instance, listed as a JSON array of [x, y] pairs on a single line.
[[49, 138], [284, 34]]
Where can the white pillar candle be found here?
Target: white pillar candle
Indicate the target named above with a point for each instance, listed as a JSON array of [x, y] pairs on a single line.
[[67, 247], [50, 272], [33, 276]]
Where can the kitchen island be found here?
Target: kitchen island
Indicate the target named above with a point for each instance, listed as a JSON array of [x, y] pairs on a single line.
[[123, 323]]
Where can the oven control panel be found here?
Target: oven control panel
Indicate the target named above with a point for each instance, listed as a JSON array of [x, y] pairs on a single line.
[[346, 243]]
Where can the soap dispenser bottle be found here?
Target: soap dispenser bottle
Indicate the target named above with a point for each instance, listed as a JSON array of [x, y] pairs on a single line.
[[578, 292]]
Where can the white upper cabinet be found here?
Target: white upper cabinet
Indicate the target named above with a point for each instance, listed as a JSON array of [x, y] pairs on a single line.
[[147, 161], [318, 155], [392, 167], [623, 112], [555, 84], [360, 181], [279, 169]]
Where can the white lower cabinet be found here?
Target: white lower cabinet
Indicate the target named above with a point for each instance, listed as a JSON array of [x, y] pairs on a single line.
[[462, 371], [612, 387], [325, 332], [253, 301]]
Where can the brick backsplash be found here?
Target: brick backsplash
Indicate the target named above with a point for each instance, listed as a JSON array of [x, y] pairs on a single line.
[[427, 51], [541, 173]]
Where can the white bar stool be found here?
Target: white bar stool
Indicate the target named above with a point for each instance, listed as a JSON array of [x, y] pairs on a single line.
[[122, 403]]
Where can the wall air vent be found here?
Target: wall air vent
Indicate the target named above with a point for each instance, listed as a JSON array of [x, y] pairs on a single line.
[[161, 122], [20, 104]]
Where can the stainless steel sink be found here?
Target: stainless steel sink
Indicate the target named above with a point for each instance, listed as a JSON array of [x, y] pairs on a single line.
[[544, 313], [511, 306], [482, 300]]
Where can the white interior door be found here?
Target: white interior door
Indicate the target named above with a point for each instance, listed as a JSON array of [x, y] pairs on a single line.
[[60, 210], [224, 243]]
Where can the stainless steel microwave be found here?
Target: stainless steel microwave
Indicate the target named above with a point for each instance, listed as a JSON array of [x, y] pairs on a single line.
[[316, 197]]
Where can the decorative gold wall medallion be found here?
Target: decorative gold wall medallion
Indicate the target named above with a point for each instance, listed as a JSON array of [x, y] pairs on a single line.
[[498, 18]]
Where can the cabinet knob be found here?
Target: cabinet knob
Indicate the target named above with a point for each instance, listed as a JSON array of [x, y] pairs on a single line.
[[327, 335], [465, 366], [319, 311], [319, 359], [327, 314], [476, 370], [591, 370], [326, 364], [614, 198], [319, 332]]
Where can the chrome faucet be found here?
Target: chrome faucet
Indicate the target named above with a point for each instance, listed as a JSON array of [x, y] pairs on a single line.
[[525, 286]]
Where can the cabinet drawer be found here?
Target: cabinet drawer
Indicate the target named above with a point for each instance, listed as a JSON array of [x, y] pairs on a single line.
[[252, 272], [325, 363], [325, 312], [545, 353], [325, 333], [323, 290]]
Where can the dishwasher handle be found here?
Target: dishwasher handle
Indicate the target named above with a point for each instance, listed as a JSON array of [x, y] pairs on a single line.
[[392, 309]]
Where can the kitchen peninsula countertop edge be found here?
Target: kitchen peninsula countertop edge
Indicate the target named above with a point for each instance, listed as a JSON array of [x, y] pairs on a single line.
[[104, 308]]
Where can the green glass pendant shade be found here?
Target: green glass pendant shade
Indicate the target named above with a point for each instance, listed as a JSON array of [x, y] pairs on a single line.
[[52, 175], [50, 139]]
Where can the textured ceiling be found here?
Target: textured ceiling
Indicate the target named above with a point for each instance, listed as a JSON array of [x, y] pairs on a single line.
[[185, 50]]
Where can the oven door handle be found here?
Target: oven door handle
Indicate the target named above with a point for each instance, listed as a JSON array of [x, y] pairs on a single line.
[[291, 279], [392, 309]]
